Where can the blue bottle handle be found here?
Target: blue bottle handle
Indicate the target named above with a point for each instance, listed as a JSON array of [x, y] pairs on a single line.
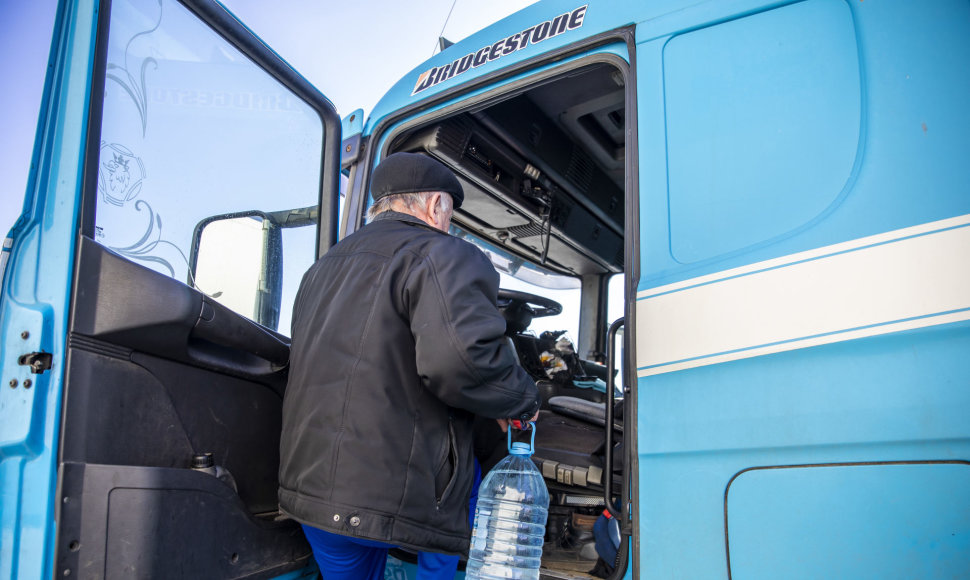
[[532, 444]]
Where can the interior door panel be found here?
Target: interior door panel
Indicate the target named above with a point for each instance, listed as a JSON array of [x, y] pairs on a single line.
[[145, 393]]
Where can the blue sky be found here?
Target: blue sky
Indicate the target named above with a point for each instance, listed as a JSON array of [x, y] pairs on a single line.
[[352, 51]]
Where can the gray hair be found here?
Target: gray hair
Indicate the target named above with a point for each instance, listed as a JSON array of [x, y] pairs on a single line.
[[408, 200]]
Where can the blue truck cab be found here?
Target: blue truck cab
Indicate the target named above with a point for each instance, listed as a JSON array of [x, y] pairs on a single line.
[[733, 236]]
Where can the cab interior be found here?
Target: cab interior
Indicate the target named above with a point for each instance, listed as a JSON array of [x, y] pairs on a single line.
[[543, 172]]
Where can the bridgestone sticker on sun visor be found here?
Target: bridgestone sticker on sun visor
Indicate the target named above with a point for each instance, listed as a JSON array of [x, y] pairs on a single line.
[[533, 35]]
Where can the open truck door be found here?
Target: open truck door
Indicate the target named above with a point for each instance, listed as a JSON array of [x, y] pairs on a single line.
[[183, 179]]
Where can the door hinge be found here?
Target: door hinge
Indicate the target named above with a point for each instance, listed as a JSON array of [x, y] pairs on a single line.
[[37, 361]]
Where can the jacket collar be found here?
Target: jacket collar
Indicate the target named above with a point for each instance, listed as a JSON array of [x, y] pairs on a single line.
[[404, 217]]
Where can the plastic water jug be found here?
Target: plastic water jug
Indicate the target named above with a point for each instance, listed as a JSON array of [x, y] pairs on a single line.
[[510, 520]]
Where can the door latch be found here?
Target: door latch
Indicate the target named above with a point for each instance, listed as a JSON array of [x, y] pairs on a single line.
[[37, 361]]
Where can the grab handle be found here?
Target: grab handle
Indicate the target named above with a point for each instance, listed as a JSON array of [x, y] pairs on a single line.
[[610, 401]]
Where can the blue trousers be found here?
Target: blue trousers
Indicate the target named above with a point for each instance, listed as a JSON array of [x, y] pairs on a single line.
[[348, 558]]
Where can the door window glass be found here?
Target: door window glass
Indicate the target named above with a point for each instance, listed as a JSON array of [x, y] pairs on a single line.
[[193, 130]]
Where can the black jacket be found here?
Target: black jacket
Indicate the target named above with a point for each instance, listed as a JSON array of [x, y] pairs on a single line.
[[397, 342]]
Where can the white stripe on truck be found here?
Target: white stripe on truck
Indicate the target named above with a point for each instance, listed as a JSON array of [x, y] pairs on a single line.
[[899, 280]]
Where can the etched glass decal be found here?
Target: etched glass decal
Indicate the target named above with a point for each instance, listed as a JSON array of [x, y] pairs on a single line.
[[193, 131]]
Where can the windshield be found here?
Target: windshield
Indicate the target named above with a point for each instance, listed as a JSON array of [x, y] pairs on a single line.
[[508, 263], [517, 274]]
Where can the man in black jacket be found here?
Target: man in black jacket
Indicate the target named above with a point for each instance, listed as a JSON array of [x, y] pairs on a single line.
[[397, 344]]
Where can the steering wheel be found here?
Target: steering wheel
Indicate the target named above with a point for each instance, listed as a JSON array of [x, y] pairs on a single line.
[[513, 300]]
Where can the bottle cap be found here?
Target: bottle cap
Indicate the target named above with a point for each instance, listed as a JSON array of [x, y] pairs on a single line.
[[519, 448]]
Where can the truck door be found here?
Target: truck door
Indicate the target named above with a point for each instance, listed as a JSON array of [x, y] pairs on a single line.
[[184, 178]]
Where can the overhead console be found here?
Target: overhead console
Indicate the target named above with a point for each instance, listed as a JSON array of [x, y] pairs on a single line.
[[529, 188]]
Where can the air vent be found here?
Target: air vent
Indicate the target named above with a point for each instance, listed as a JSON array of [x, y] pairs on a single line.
[[526, 231], [580, 170], [451, 137]]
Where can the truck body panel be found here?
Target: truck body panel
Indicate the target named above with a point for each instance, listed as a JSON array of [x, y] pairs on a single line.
[[772, 195]]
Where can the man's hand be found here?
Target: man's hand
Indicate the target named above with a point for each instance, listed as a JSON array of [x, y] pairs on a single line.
[[504, 423]]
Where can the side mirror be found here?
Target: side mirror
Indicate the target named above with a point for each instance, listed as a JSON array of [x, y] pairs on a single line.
[[237, 260]]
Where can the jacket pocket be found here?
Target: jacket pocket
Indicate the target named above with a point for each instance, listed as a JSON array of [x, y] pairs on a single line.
[[447, 474]]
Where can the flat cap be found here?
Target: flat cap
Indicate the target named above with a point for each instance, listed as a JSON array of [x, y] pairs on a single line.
[[413, 173]]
